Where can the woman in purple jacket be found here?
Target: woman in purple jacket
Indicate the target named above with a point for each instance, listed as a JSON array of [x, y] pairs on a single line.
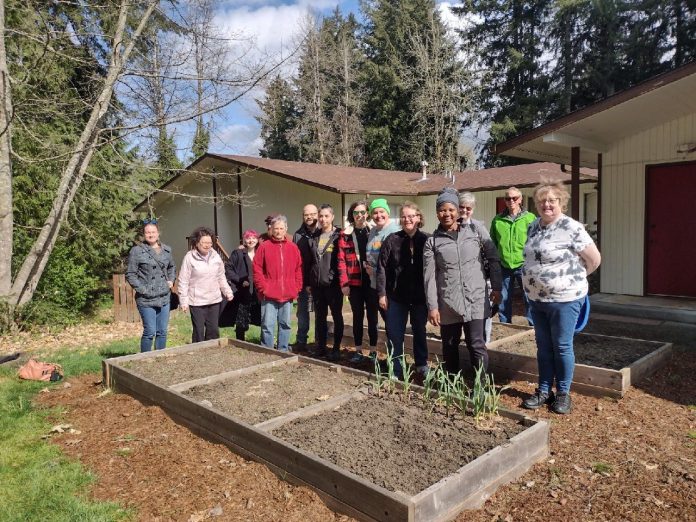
[[202, 284]]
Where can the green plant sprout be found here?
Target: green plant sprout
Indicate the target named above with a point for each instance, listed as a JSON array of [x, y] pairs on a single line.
[[407, 372]]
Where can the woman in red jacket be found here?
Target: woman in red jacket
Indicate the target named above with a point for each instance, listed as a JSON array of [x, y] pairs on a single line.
[[278, 279]]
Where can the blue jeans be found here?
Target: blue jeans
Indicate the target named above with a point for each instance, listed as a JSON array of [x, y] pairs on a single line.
[[554, 326], [302, 317], [155, 322], [510, 275], [274, 313], [396, 317]]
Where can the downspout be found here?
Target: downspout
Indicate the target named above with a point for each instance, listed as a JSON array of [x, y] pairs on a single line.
[[239, 203], [215, 219]]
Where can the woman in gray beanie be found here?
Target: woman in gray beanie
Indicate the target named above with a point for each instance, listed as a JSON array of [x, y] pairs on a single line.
[[454, 267]]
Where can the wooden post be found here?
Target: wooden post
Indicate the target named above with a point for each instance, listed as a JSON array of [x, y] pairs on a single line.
[[575, 183], [599, 200]]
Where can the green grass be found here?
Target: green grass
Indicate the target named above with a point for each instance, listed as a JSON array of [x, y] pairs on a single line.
[[601, 467], [37, 482], [691, 434]]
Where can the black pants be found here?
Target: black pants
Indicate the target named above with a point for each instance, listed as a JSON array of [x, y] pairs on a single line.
[[361, 303], [205, 321], [475, 343], [327, 298]]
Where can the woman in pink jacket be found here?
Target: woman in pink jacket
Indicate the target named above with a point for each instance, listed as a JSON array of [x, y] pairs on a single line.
[[202, 284]]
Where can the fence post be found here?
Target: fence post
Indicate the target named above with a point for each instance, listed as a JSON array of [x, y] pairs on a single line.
[[125, 309]]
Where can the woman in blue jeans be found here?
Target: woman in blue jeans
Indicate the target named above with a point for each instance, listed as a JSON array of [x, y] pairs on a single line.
[[151, 273], [401, 287], [558, 257]]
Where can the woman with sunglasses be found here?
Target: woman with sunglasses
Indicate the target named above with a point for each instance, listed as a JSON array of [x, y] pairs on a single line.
[[558, 257], [353, 276], [202, 283], [240, 276], [151, 273]]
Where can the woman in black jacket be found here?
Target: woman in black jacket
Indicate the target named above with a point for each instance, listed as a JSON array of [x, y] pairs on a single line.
[[401, 287], [240, 276]]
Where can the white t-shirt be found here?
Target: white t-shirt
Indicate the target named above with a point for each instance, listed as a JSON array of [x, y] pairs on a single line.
[[553, 270]]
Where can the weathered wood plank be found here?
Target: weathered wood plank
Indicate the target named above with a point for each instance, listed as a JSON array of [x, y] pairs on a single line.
[[469, 487], [650, 363]]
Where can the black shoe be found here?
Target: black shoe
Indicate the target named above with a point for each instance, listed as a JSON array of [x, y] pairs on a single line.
[[334, 355], [299, 347], [537, 400], [562, 404], [319, 352]]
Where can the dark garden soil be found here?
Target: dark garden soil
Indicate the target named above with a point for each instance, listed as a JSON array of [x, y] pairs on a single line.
[[396, 444], [272, 392], [614, 353], [172, 368], [632, 459]]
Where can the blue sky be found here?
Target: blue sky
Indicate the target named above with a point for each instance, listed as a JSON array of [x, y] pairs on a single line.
[[274, 25]]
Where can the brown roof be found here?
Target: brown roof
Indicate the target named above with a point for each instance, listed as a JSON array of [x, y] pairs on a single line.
[[358, 180]]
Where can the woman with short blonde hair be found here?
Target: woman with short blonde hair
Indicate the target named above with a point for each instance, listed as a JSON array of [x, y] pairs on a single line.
[[558, 257]]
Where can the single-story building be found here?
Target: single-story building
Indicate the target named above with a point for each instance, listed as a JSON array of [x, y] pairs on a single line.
[[642, 142], [233, 193]]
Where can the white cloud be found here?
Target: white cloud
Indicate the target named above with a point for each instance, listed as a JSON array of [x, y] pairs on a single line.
[[237, 138]]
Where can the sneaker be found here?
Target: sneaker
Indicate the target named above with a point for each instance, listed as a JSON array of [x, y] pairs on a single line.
[[334, 355], [319, 352], [423, 370], [562, 404], [537, 400], [357, 358]]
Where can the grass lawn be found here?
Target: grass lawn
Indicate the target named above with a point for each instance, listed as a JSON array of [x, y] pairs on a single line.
[[37, 482]]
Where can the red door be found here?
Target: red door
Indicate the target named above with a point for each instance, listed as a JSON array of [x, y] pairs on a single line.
[[671, 230]]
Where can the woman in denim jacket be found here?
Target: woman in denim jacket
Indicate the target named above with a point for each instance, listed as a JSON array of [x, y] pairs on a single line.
[[151, 273]]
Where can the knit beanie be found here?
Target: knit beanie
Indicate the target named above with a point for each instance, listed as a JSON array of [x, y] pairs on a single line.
[[379, 203], [447, 195]]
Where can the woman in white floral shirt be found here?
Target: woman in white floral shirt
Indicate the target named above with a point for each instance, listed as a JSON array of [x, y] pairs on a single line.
[[558, 257]]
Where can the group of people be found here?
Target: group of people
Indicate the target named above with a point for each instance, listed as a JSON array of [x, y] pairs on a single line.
[[455, 278]]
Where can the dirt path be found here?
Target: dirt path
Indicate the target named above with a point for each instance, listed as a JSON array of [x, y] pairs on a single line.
[[633, 459]]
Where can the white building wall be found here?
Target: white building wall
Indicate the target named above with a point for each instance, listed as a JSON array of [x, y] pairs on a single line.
[[623, 199], [178, 216]]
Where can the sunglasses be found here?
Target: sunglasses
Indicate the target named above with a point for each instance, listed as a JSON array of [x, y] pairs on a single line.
[[359, 212], [511, 198], [150, 221]]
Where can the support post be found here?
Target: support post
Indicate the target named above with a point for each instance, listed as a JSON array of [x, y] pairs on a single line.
[[575, 183], [599, 200]]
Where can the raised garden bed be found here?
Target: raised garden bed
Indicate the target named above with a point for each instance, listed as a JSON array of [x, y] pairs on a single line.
[[353, 423], [604, 365], [500, 332]]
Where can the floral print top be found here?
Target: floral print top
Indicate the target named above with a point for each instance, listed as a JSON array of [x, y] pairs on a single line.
[[553, 270]]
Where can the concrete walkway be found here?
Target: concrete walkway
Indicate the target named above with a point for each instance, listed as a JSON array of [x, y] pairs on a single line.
[[673, 309]]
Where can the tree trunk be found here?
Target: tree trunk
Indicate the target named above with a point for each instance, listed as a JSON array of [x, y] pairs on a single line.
[[33, 266], [6, 219]]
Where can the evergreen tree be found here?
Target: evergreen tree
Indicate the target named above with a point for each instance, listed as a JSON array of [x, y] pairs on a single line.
[[278, 119], [393, 29], [507, 37]]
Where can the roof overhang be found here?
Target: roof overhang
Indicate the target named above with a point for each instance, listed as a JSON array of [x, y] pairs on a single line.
[[596, 128]]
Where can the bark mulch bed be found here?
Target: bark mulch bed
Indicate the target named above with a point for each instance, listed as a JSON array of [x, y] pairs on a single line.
[[629, 459], [272, 392]]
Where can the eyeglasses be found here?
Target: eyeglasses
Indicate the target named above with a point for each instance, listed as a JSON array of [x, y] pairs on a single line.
[[359, 212], [466, 209], [409, 218], [150, 221], [511, 198], [550, 201]]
